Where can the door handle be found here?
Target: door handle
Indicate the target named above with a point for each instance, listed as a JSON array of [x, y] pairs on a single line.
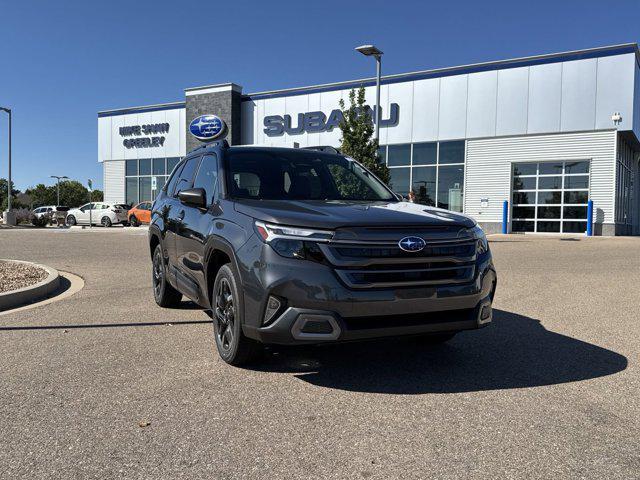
[[181, 215]]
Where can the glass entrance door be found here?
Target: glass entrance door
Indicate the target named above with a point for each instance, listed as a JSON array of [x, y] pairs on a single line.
[[550, 197]]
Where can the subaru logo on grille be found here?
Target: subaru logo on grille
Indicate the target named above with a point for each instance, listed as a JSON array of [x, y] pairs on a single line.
[[412, 244], [208, 127]]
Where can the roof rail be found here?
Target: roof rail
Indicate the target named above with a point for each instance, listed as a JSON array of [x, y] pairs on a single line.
[[218, 143], [324, 149]]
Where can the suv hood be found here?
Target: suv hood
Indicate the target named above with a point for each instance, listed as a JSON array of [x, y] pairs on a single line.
[[335, 214]]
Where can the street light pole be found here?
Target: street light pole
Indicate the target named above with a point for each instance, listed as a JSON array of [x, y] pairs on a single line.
[[9, 219], [58, 178], [372, 51], [8, 110], [378, 109]]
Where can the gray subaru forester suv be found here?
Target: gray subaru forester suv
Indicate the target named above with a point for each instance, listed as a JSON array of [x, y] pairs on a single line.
[[303, 246]]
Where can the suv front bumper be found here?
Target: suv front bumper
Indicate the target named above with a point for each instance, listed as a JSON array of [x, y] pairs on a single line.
[[319, 308]]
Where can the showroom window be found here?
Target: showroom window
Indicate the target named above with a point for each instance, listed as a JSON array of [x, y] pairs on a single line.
[[550, 197], [434, 171], [139, 177]]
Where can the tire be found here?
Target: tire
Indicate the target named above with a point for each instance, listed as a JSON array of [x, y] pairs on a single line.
[[165, 295], [438, 338], [71, 220], [133, 221], [233, 347], [106, 222]]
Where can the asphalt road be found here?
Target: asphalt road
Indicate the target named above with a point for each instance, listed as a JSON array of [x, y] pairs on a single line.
[[105, 384]]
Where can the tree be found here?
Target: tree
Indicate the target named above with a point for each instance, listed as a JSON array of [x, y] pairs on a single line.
[[357, 135], [72, 194], [3, 194], [97, 196], [42, 195]]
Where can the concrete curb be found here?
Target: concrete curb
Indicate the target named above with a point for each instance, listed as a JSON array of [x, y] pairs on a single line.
[[32, 293]]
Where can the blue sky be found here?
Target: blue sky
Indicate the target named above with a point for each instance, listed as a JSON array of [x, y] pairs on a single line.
[[61, 62]]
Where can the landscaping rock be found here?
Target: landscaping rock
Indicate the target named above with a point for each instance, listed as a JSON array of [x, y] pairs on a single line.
[[14, 275]]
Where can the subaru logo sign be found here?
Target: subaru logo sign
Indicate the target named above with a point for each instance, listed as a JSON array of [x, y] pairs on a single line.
[[208, 127], [412, 244]]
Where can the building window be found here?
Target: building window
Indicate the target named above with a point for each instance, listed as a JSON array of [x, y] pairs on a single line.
[[132, 190], [159, 166], [433, 171], [400, 179], [131, 168], [399, 155], [139, 176], [550, 197], [451, 152], [425, 153]]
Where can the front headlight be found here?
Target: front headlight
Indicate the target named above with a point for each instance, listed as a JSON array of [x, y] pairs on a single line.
[[483, 243], [270, 231], [293, 242]]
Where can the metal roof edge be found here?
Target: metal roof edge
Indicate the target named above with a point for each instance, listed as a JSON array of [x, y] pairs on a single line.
[[141, 109], [457, 70]]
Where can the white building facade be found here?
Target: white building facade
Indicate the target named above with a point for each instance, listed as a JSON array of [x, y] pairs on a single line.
[[545, 133]]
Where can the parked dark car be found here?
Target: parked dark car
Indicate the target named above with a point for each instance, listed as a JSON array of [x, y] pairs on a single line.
[[300, 246]]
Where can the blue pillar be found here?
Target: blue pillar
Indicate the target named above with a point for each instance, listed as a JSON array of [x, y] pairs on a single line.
[[590, 218], [505, 217]]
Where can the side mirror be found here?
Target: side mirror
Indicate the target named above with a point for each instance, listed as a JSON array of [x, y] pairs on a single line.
[[195, 197]]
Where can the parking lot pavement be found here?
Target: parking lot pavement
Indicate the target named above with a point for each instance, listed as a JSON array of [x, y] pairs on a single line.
[[106, 385]]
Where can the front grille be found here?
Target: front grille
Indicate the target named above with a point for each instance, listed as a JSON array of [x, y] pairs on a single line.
[[455, 250], [416, 319], [441, 262]]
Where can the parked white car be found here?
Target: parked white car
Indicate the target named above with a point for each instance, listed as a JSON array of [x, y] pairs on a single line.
[[47, 210], [100, 213]]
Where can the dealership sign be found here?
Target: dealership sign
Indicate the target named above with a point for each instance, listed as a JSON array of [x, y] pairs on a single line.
[[208, 127], [144, 136], [315, 122]]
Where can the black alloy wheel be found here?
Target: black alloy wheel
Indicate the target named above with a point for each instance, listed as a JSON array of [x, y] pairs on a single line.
[[163, 293], [225, 315]]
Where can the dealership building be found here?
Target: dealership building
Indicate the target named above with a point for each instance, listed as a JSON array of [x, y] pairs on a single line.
[[546, 133]]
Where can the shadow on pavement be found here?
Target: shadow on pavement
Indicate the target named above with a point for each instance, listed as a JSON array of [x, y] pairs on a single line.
[[515, 352], [105, 325]]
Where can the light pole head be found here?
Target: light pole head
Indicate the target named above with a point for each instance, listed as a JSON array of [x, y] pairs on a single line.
[[369, 51]]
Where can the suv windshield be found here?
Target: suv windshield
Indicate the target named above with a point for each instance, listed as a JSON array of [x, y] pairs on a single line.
[[300, 175]]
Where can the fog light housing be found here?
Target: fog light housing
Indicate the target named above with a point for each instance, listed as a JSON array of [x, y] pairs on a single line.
[[273, 306], [486, 314]]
